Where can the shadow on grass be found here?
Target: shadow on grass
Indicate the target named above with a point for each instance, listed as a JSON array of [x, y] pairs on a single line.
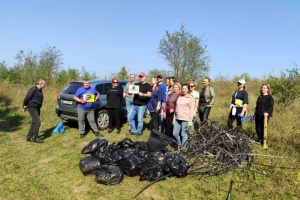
[[47, 133], [10, 123]]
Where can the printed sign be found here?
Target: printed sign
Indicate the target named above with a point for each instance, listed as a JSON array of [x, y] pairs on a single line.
[[89, 97], [134, 89]]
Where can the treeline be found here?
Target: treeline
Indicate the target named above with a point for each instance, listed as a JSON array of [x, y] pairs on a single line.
[[45, 65]]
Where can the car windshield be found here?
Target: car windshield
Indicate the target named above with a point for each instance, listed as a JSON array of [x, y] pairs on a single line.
[[72, 88]]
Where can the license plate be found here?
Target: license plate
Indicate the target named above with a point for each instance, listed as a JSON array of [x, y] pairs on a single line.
[[67, 102]]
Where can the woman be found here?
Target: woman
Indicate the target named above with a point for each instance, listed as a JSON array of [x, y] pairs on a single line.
[[154, 103], [206, 100], [238, 106], [264, 108], [114, 98], [172, 81], [170, 108], [195, 94], [184, 114]]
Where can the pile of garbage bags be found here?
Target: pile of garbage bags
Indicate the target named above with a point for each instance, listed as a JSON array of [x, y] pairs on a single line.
[[150, 160]]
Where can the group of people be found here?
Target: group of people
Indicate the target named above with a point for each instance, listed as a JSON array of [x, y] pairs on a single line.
[[173, 107]]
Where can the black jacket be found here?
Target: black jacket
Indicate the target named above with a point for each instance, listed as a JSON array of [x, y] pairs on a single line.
[[114, 97], [34, 98], [264, 104]]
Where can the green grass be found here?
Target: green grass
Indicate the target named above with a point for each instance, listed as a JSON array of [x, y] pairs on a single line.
[[51, 170]]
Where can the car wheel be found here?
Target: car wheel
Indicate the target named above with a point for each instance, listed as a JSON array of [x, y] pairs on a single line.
[[102, 119]]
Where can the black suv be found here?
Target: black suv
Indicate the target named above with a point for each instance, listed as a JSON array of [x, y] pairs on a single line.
[[66, 106]]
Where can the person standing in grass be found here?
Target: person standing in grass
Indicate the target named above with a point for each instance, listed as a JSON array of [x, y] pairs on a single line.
[[154, 104], [195, 94], [129, 96], [264, 107], [139, 106], [33, 103], [114, 99], [206, 100], [170, 107], [239, 105], [184, 114], [85, 97]]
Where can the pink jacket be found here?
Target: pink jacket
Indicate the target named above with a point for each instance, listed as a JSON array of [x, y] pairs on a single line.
[[185, 109]]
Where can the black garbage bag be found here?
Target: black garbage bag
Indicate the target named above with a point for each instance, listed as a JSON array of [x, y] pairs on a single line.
[[151, 170], [176, 164], [158, 141], [128, 152], [88, 165], [112, 155], [141, 146], [125, 143], [95, 145], [132, 165], [108, 175]]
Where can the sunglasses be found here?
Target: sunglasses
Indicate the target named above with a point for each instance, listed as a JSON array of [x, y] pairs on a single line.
[[141, 76], [115, 82], [192, 86]]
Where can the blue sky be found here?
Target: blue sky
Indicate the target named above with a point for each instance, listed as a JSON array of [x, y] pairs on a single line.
[[258, 37]]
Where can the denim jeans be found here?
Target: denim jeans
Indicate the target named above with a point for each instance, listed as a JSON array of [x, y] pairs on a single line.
[[139, 111], [179, 124], [128, 106]]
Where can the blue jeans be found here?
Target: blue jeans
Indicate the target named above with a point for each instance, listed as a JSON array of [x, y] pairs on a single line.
[[128, 106], [139, 111], [179, 124]]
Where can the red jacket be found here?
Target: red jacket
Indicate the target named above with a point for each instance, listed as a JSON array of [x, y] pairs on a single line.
[[167, 106]]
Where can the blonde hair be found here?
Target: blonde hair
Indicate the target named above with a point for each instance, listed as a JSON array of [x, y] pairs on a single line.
[[194, 83], [178, 84]]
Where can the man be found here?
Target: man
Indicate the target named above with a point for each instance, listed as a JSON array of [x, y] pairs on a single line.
[[85, 97], [33, 103], [139, 105], [127, 95], [161, 121]]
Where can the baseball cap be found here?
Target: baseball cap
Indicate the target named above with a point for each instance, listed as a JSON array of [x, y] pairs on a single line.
[[242, 81], [142, 74], [159, 76]]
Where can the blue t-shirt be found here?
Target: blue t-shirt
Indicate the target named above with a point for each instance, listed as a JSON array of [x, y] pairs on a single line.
[[82, 91], [164, 91], [156, 96]]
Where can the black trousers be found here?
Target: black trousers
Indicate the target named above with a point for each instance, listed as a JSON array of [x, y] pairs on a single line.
[[35, 123], [169, 127], [231, 118], [259, 127], [203, 112], [114, 116], [154, 119]]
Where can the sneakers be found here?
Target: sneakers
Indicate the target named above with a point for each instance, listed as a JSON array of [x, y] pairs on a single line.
[[109, 130], [36, 140], [118, 131], [82, 136]]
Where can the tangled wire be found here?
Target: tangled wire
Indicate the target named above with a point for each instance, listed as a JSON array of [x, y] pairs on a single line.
[[214, 150]]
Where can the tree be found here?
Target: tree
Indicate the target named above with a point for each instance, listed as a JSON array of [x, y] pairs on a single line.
[[49, 63], [3, 71], [286, 88], [186, 55], [123, 74]]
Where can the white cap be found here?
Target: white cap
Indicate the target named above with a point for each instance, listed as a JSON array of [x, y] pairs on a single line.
[[242, 81]]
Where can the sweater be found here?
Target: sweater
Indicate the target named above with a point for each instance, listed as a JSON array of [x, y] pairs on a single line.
[[185, 109]]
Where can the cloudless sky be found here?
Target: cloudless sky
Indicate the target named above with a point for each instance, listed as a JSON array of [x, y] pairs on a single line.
[[258, 37]]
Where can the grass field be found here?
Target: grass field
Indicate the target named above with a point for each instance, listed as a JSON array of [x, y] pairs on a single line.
[[51, 170]]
